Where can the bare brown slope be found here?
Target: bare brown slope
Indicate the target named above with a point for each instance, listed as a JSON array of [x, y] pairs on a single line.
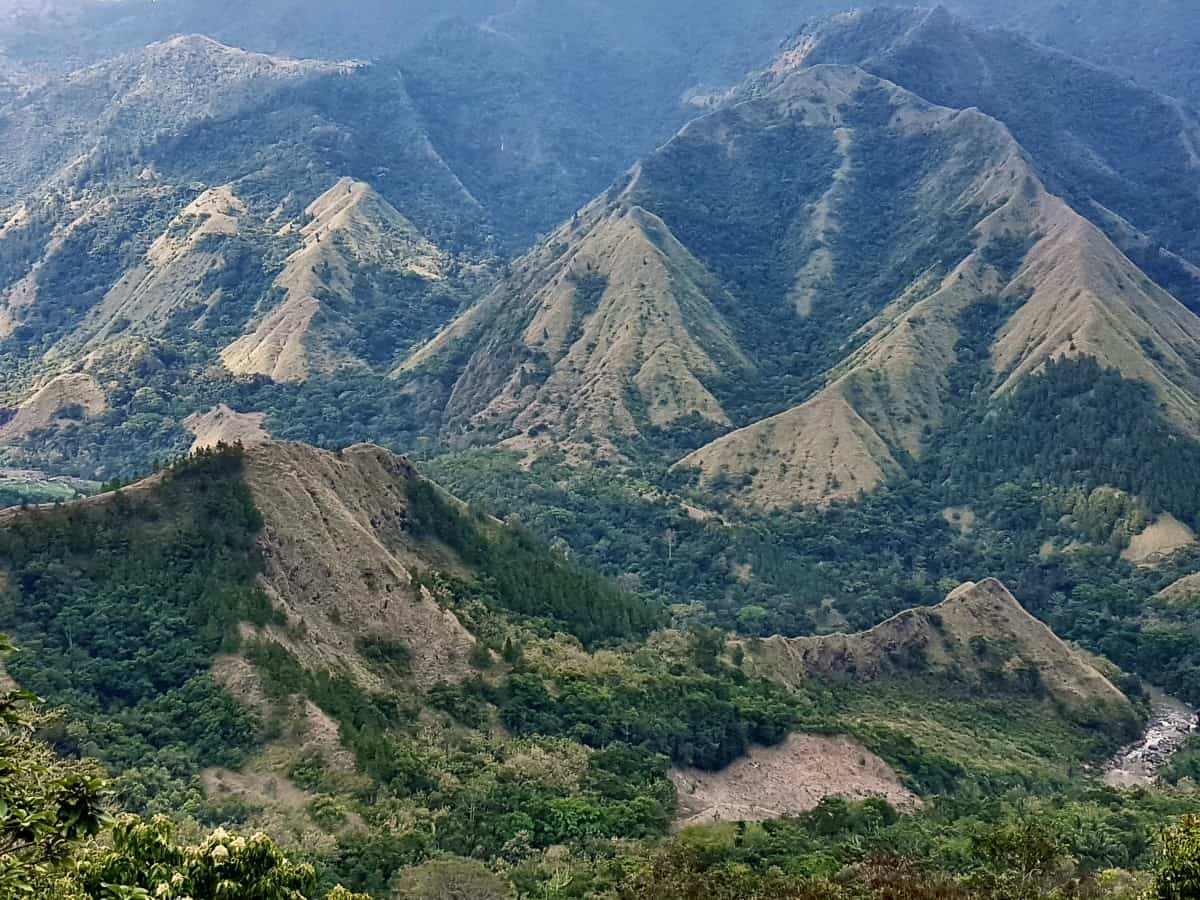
[[340, 557], [222, 425], [611, 325], [348, 226], [787, 780], [172, 275], [979, 632], [61, 401], [1184, 590]]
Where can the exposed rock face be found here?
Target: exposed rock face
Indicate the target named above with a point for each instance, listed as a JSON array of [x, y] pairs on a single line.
[[581, 347], [979, 632], [1072, 292]]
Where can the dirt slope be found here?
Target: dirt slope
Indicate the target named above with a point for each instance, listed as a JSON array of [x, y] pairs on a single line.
[[221, 425], [340, 556], [1185, 589], [979, 632], [61, 401], [347, 227], [792, 778], [1161, 539]]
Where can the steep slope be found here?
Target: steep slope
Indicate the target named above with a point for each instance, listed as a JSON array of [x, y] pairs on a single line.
[[1105, 148], [844, 227], [1153, 45], [585, 347], [146, 213], [979, 633], [349, 229], [340, 556], [335, 554]]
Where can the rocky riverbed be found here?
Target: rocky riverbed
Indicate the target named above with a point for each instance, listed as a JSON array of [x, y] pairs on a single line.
[[1137, 765]]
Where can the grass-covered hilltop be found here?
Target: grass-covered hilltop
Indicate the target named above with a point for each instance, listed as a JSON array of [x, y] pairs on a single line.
[[416, 698]]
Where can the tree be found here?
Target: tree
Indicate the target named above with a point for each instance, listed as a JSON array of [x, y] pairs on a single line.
[[451, 879], [50, 807], [145, 862], [47, 806], [1177, 862]]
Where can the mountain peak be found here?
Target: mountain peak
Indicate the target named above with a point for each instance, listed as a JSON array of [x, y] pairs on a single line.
[[347, 228]]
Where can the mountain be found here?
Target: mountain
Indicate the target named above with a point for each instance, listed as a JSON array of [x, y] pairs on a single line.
[[767, 253], [327, 645], [1154, 45], [979, 632], [1105, 150], [342, 562], [134, 100]]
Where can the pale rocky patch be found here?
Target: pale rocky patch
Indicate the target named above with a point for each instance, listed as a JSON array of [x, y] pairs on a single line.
[[792, 778], [221, 425], [172, 275], [1163, 538]]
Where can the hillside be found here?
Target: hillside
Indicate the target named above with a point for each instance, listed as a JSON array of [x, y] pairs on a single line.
[[836, 366], [727, 349], [1084, 153], [978, 635], [338, 646]]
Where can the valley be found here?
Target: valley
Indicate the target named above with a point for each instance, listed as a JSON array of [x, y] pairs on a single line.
[[565, 450]]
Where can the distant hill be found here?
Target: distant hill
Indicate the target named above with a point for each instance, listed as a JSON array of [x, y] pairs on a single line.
[[979, 633]]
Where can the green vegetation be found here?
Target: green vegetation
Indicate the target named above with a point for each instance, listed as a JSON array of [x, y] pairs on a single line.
[[1078, 424], [120, 604], [516, 572], [47, 805]]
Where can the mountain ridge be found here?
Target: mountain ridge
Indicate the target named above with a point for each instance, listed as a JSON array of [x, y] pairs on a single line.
[[979, 631], [1067, 289]]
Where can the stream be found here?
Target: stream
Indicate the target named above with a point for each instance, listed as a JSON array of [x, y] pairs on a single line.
[[1136, 765]]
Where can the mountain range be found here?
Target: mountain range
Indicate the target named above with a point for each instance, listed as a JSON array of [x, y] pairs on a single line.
[[504, 445]]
